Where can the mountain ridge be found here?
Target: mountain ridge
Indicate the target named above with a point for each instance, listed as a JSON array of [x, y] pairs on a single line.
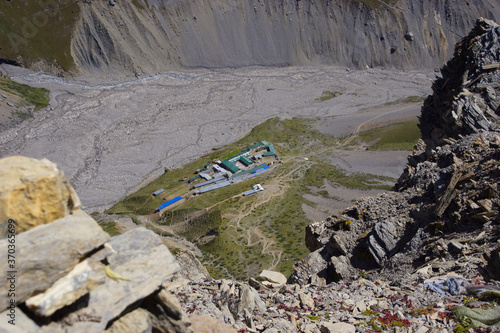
[[146, 37]]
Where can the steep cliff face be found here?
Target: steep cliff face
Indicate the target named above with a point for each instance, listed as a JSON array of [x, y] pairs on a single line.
[[151, 36], [146, 36]]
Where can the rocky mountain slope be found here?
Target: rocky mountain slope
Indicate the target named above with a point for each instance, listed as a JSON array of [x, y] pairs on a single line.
[[149, 36], [403, 261], [447, 200]]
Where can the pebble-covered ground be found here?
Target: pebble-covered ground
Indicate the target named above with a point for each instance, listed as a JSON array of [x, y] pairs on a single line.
[[359, 305]]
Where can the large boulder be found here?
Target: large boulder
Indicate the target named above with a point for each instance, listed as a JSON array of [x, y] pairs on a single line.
[[381, 241], [190, 267], [272, 277], [33, 192]]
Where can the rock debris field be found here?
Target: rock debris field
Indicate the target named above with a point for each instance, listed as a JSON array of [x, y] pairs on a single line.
[[112, 136]]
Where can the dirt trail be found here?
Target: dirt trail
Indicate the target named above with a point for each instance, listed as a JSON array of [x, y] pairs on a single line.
[[276, 187]]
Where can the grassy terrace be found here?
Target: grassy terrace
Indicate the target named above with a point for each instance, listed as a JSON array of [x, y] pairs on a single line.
[[240, 236], [401, 136], [39, 97]]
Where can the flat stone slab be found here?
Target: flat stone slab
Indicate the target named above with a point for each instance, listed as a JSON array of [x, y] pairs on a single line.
[[139, 265], [46, 253], [271, 276]]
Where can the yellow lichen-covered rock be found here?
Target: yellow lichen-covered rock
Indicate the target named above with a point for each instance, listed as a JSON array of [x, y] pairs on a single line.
[[33, 192]]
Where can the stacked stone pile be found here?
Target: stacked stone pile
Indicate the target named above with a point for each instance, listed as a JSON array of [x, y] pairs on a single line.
[[61, 272]]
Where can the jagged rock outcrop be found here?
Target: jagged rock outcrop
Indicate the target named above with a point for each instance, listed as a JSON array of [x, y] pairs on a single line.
[[34, 192], [445, 211], [465, 98]]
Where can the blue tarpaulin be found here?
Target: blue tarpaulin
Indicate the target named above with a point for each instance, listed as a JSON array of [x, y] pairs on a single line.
[[168, 203]]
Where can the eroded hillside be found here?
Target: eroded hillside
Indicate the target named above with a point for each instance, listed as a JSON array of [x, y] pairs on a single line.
[[148, 36], [162, 34]]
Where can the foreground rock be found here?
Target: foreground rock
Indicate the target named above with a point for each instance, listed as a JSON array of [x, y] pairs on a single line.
[[48, 252], [137, 264], [123, 273], [272, 278], [68, 275], [33, 192], [405, 304]]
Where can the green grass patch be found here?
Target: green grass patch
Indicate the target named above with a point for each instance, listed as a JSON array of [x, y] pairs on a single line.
[[327, 94], [110, 227], [216, 272], [36, 30], [324, 194], [401, 136], [231, 154], [289, 136], [204, 224], [39, 97], [407, 100]]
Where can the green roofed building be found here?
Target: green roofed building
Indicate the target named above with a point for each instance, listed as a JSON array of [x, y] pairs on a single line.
[[246, 161], [229, 166], [271, 151], [193, 179], [237, 157]]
